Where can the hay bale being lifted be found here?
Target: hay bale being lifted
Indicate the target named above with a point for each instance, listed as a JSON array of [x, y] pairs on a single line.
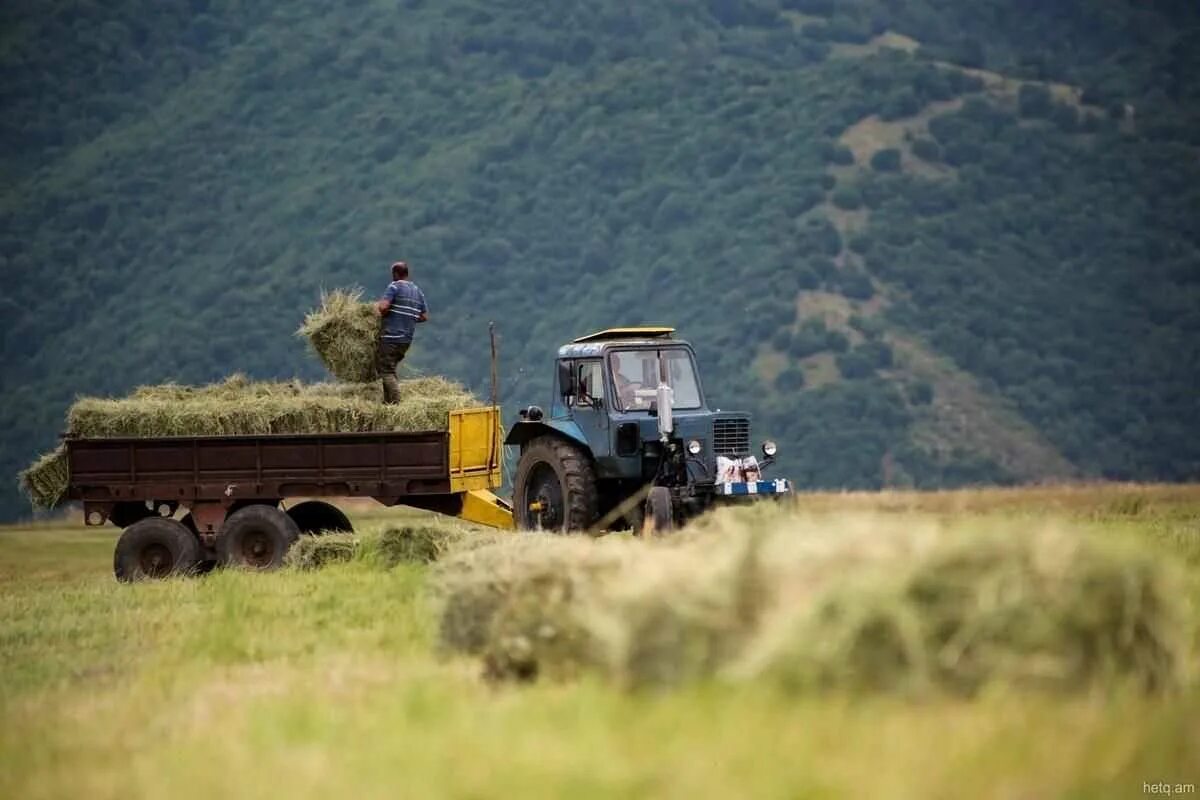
[[344, 332]]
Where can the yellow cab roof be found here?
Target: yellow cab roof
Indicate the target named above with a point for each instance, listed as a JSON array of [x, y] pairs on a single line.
[[627, 333]]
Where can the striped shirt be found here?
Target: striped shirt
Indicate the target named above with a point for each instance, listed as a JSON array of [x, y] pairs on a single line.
[[407, 305]]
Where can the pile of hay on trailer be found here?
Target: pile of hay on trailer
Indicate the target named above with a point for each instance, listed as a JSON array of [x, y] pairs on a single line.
[[866, 605], [343, 332], [238, 406]]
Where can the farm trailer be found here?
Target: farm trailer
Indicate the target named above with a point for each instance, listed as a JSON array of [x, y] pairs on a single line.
[[186, 503]]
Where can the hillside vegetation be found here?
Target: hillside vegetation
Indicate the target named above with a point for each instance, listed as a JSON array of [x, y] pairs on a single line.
[[929, 243]]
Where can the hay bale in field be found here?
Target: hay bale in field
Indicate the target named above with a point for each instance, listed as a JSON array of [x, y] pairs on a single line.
[[642, 614], [1044, 609], [46, 480], [557, 607], [473, 589], [544, 630], [343, 332], [686, 613], [432, 540], [314, 552], [863, 604]]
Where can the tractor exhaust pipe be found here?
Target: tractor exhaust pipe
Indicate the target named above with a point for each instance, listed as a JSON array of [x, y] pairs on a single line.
[[666, 402]]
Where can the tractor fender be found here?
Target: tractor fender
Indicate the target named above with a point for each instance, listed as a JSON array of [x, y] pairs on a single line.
[[524, 432]]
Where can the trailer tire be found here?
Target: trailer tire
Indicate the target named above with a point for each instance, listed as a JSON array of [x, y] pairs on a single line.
[[256, 537], [559, 475], [659, 514], [155, 547], [315, 517]]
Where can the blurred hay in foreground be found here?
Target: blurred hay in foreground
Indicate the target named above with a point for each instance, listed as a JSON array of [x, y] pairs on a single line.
[[343, 331], [485, 593], [314, 552], [238, 406], [862, 604]]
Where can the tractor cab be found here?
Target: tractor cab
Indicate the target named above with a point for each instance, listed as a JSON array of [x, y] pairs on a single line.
[[629, 438]]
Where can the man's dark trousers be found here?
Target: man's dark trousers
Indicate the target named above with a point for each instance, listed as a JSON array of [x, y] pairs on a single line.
[[388, 356]]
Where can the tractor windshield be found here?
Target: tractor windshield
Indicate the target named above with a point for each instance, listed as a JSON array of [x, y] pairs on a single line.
[[636, 376]]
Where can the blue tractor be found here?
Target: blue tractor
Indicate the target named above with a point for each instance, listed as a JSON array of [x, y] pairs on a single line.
[[630, 441]]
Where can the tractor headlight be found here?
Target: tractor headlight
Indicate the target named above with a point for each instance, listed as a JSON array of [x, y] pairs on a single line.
[[694, 447], [769, 448]]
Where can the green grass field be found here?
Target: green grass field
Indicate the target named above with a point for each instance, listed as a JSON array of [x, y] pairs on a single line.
[[329, 683]]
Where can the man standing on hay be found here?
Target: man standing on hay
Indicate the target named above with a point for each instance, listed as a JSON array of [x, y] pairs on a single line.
[[402, 307]]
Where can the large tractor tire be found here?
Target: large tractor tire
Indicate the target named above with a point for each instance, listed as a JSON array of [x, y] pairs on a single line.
[[315, 517], [256, 537], [155, 548], [555, 488], [660, 516]]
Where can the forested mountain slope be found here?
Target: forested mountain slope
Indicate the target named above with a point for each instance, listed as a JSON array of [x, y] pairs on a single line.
[[932, 242]]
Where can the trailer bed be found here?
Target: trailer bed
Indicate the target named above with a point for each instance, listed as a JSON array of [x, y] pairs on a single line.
[[414, 468], [382, 465]]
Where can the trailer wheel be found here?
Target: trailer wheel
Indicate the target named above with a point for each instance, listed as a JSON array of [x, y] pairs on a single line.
[[660, 517], [155, 548], [314, 516], [555, 488], [256, 537]]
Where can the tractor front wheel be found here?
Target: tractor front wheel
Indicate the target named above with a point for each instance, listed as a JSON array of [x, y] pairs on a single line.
[[555, 488], [660, 516]]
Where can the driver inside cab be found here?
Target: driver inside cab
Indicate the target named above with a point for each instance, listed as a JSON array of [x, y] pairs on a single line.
[[626, 388]]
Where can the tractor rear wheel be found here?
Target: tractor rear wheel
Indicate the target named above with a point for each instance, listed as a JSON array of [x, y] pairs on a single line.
[[256, 537], [155, 547], [660, 517], [555, 488]]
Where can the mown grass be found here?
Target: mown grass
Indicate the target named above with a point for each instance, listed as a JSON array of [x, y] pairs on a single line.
[[329, 683]]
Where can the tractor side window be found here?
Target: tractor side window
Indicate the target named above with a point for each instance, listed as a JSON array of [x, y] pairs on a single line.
[[591, 383]]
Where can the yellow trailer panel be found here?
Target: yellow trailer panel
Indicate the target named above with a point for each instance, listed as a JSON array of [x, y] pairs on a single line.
[[476, 451]]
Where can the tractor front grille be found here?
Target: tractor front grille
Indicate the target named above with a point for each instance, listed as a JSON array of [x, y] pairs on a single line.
[[731, 437]]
